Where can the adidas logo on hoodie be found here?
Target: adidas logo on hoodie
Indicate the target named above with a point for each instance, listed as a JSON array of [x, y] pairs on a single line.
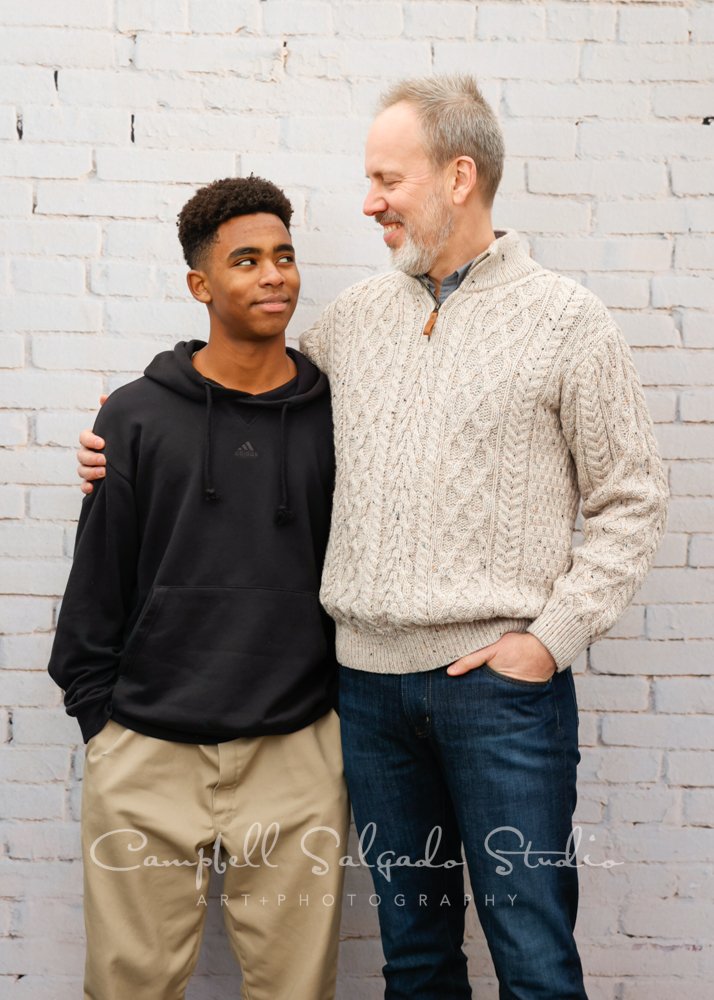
[[246, 451]]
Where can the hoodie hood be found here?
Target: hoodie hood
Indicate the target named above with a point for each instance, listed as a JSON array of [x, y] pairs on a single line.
[[174, 370]]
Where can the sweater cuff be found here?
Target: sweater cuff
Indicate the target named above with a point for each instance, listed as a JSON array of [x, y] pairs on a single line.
[[93, 718], [563, 634]]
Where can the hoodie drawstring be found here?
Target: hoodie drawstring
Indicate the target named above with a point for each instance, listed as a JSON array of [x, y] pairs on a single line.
[[283, 514], [209, 492]]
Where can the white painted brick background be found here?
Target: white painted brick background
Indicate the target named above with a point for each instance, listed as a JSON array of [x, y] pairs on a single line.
[[111, 113]]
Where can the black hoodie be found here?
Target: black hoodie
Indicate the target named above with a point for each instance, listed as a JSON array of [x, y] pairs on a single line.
[[191, 611]]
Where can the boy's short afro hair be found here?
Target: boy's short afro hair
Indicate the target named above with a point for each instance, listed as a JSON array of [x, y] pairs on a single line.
[[220, 201]]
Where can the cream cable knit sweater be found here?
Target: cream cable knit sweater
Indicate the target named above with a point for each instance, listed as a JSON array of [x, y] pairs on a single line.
[[461, 460]]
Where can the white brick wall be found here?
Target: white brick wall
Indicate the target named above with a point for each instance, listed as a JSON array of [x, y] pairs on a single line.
[[111, 113]]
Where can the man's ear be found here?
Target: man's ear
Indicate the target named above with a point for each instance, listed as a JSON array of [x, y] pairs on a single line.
[[198, 286], [464, 177]]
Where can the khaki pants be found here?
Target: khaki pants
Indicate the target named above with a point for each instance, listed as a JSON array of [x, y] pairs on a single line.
[[144, 912]]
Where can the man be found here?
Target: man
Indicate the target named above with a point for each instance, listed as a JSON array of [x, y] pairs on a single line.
[[191, 644], [477, 399]]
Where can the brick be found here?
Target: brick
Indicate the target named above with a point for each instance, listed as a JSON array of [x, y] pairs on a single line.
[[685, 695], [57, 503], [46, 13], [581, 22], [33, 766], [651, 805], [701, 552], [24, 389], [52, 237], [158, 165], [597, 178], [644, 62], [36, 465], [247, 57], [12, 351], [694, 253], [697, 405], [122, 277], [658, 731], [12, 501], [61, 429], [32, 801], [702, 23], [662, 404], [142, 241], [690, 768], [670, 290], [544, 215], [43, 841], [617, 291], [679, 367], [49, 277], [614, 694], [642, 217], [87, 354], [150, 318], [692, 177], [439, 20], [619, 766], [339, 135], [27, 84], [36, 160], [13, 429], [16, 198], [648, 842], [44, 726], [30, 540], [51, 313], [105, 198], [291, 95], [224, 16], [328, 172], [630, 140], [659, 918], [129, 89], [669, 100], [631, 625], [520, 60], [57, 47], [547, 139], [699, 807], [26, 614], [660, 24], [686, 512], [497, 21], [145, 15], [672, 550], [697, 329], [26, 652], [598, 254], [691, 478], [631, 656], [176, 130], [368, 20]]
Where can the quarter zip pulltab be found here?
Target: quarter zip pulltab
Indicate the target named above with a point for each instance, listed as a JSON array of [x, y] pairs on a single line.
[[431, 319]]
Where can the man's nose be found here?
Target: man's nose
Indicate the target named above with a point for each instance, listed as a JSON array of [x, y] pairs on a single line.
[[271, 275], [373, 203]]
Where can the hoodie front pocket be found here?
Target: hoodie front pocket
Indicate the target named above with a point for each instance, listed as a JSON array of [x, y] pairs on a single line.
[[207, 657], [142, 627]]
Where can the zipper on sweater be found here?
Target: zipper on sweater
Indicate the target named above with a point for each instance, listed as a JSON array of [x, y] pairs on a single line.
[[431, 318]]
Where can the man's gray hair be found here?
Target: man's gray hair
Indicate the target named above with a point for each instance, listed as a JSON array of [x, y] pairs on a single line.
[[456, 121]]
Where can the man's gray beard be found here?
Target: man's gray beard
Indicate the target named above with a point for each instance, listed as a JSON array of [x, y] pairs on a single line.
[[416, 257]]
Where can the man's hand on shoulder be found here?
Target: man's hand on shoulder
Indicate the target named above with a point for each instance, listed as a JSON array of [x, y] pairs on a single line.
[[519, 655], [92, 463]]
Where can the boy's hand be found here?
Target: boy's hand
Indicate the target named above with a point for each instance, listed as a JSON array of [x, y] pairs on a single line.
[[91, 460]]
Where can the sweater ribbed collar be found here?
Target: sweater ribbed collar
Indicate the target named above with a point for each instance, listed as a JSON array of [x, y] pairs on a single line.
[[504, 260]]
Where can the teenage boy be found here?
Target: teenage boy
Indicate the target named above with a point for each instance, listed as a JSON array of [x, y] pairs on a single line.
[[191, 645]]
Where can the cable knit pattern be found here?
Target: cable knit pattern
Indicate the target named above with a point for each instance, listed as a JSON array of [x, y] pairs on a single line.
[[462, 458]]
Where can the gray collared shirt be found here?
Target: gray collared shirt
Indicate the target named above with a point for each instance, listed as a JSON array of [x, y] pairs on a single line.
[[452, 281]]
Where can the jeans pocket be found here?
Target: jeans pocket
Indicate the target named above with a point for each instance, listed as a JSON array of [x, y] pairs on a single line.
[[517, 681]]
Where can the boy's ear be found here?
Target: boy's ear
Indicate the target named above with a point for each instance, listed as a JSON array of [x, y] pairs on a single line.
[[198, 286]]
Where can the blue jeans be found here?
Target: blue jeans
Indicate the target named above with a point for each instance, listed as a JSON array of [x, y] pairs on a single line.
[[467, 755]]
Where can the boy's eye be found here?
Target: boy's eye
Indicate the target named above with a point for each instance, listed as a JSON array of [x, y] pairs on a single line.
[[287, 258], [246, 260]]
